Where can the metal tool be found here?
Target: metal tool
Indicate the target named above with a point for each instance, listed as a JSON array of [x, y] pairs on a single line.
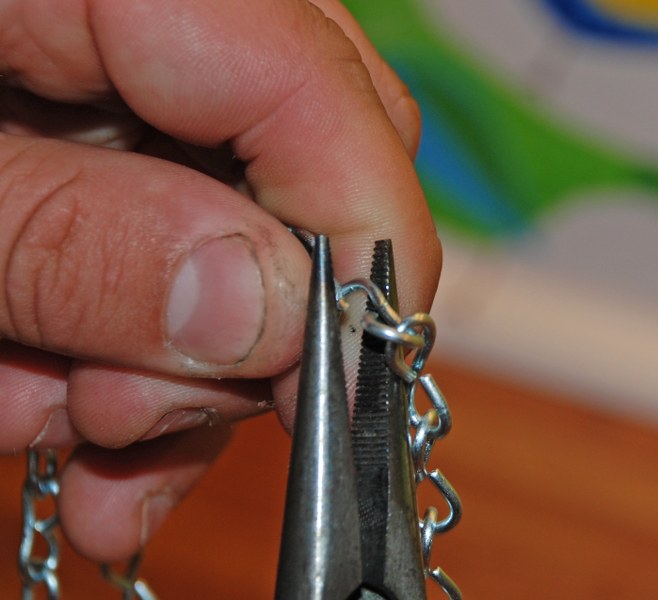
[[351, 527]]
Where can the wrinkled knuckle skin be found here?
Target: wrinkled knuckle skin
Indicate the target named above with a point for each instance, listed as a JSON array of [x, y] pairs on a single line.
[[52, 276], [44, 266]]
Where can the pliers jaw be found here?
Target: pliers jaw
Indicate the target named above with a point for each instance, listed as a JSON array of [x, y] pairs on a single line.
[[320, 555], [351, 527]]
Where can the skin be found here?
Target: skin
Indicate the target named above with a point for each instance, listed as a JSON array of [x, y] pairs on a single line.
[[132, 134]]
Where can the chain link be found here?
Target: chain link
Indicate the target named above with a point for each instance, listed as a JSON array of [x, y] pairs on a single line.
[[128, 582], [416, 333], [40, 488]]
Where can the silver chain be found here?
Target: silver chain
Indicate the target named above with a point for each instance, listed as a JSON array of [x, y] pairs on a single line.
[[41, 487], [128, 582], [416, 333]]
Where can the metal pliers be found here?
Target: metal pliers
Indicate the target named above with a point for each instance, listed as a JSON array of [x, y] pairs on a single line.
[[351, 524]]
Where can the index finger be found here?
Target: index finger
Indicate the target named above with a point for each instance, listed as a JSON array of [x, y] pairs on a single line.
[[278, 79]]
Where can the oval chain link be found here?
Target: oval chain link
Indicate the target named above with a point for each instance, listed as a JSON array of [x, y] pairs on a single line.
[[131, 587], [416, 333]]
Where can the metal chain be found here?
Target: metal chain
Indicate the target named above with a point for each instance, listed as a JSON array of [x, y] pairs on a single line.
[[128, 582], [416, 333], [42, 486]]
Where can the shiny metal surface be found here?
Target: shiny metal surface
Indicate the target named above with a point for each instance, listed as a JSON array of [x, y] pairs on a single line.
[[390, 540], [320, 548], [351, 527]]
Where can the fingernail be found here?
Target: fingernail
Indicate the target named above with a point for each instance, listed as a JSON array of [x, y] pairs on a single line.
[[57, 432], [181, 419], [217, 302], [155, 509]]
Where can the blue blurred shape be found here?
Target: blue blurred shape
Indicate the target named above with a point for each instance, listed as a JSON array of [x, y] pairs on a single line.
[[585, 17], [447, 164]]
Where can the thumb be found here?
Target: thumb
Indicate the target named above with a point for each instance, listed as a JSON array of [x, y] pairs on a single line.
[[133, 260]]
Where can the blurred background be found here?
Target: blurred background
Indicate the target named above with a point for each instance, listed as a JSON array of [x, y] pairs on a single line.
[[540, 162]]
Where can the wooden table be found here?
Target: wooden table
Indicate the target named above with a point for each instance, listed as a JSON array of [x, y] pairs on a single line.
[[559, 502]]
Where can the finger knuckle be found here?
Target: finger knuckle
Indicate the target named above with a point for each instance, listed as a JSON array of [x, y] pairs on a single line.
[[46, 257]]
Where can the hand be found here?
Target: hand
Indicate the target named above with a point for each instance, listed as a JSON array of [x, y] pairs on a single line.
[[140, 294]]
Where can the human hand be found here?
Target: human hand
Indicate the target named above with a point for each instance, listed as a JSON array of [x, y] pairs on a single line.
[[140, 296]]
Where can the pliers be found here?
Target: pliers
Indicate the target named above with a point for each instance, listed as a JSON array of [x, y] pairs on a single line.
[[351, 525]]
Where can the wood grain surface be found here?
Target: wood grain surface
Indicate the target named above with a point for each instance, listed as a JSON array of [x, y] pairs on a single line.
[[559, 502]]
